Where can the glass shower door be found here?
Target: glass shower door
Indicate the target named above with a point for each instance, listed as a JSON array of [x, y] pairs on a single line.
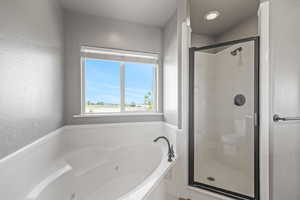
[[223, 118]]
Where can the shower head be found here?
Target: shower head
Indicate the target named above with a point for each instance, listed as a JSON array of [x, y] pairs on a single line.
[[235, 52]]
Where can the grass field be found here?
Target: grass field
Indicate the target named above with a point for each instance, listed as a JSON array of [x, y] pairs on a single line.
[[116, 108]]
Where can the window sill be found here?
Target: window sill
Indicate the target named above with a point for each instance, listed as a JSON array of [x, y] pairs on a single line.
[[86, 115]]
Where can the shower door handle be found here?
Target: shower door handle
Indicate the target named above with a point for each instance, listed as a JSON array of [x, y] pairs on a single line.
[[277, 118], [255, 120]]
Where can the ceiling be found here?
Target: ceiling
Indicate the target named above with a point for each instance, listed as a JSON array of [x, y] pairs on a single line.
[[232, 12], [146, 12]]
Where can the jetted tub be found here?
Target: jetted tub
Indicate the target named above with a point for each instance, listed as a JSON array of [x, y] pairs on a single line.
[[89, 162]]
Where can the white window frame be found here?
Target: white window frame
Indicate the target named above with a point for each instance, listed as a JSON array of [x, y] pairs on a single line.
[[120, 56]]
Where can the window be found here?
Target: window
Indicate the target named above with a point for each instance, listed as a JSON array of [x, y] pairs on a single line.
[[118, 81]]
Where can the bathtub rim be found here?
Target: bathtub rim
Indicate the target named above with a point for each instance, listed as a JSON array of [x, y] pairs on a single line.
[[155, 183], [44, 139], [28, 148]]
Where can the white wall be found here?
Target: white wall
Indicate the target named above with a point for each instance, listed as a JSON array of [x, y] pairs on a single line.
[[31, 71], [247, 28], [182, 12], [200, 40], [170, 72], [101, 32], [285, 98], [264, 99]]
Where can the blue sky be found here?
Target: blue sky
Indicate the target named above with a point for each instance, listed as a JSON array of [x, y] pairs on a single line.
[[103, 81]]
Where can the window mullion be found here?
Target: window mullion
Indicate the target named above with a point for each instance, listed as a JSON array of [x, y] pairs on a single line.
[[122, 86], [155, 89], [82, 77]]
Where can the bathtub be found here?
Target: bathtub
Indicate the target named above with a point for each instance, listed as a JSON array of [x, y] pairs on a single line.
[[89, 162]]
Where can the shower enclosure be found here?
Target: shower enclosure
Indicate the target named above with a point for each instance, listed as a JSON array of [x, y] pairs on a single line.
[[223, 118]]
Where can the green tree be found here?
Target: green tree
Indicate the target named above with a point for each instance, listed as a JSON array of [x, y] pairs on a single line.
[[100, 103], [132, 104], [148, 100]]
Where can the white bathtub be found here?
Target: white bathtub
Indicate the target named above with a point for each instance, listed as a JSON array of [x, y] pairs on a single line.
[[89, 162]]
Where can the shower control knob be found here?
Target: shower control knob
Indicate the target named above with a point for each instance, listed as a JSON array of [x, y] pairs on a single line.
[[239, 100]]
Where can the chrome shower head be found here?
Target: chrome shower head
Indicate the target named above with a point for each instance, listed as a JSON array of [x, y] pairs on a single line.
[[235, 52]]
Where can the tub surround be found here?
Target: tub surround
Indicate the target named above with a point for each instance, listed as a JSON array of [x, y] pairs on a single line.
[[31, 72]]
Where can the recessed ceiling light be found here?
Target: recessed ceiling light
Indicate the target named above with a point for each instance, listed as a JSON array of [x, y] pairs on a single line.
[[212, 15]]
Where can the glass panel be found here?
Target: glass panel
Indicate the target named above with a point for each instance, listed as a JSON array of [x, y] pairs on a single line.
[[139, 84], [224, 118], [102, 86]]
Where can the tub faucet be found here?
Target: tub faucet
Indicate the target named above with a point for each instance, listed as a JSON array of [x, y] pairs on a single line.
[[170, 148]]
